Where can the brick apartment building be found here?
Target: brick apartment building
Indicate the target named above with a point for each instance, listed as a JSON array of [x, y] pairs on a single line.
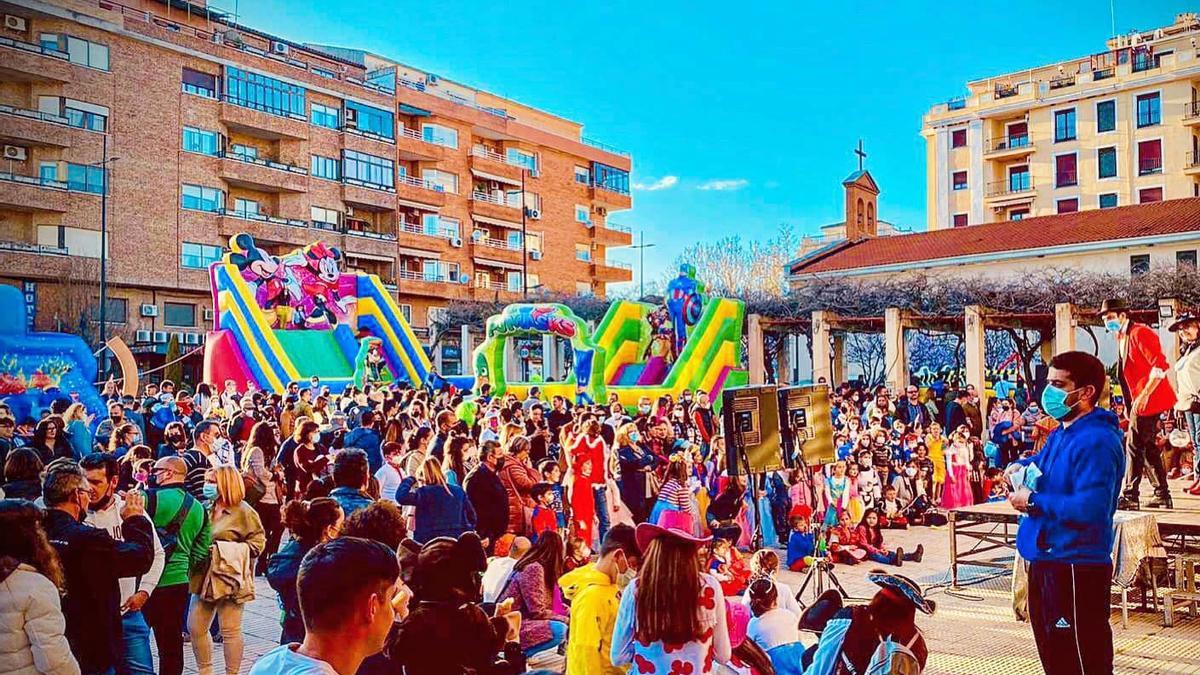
[[212, 128]]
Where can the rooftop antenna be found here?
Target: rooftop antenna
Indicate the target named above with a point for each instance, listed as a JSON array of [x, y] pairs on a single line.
[[1112, 11]]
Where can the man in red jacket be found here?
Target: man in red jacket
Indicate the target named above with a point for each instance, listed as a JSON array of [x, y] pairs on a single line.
[[1142, 371]]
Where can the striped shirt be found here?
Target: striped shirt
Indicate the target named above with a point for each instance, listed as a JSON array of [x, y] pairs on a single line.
[[676, 495]]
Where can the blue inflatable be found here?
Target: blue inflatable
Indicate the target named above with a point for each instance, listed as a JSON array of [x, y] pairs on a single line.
[[38, 368]]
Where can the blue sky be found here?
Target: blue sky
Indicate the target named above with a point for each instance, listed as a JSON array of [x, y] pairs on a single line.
[[760, 102]]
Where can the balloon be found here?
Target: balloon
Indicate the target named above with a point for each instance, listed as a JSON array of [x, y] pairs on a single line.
[[466, 412]]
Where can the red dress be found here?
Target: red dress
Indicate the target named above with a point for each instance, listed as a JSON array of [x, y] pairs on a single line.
[[587, 461]]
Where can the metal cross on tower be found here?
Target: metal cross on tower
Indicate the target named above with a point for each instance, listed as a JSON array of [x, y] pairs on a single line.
[[862, 155]]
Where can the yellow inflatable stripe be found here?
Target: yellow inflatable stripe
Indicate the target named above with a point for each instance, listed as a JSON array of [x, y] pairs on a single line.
[[235, 312], [408, 333], [624, 312], [367, 306], [243, 291], [626, 353]]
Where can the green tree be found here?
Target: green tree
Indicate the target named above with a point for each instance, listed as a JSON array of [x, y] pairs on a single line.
[[174, 371]]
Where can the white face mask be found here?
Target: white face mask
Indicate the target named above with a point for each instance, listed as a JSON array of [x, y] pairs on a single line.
[[910, 471]]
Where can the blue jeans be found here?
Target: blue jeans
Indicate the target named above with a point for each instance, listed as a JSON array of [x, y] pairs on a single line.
[[601, 495], [1193, 422], [136, 636], [558, 634], [885, 558]]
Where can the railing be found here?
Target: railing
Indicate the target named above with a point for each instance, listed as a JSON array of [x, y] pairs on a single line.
[[419, 275], [369, 234], [1192, 161], [614, 263], [1004, 143], [367, 134], [603, 146], [956, 103], [609, 188], [1009, 187], [1066, 178], [370, 186], [1141, 65], [481, 196], [1104, 73], [270, 164], [34, 115], [1007, 90], [413, 181], [486, 153], [1191, 110], [33, 48], [22, 247], [501, 244], [33, 180], [418, 228], [1149, 165], [441, 93], [327, 226], [1062, 82], [619, 228], [413, 134], [261, 218]]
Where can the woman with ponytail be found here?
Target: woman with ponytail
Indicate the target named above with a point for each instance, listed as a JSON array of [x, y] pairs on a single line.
[[311, 523]]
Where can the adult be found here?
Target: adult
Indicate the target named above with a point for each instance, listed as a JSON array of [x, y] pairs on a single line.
[[1187, 376], [45, 440], [670, 617], [1067, 534], [723, 512], [500, 567], [33, 637], [116, 417], [225, 583], [242, 424], [538, 433], [461, 455], [531, 588], [442, 510], [351, 472], [518, 477], [311, 458], [589, 494], [201, 457], [1142, 371], [310, 523], [79, 436], [104, 512], [185, 533], [22, 474], [93, 563], [418, 450], [366, 437], [444, 421], [910, 410], [262, 449], [347, 617], [487, 494], [594, 593], [637, 472], [121, 440], [850, 638]]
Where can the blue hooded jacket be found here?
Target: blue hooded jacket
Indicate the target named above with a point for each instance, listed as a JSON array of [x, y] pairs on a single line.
[[1071, 518]]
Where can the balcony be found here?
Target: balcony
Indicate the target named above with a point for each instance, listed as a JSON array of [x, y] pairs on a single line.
[[33, 193], [1149, 166], [1010, 191], [415, 235], [1191, 113], [367, 142], [33, 127], [1191, 165], [494, 205], [1104, 73], [1007, 147], [263, 174], [609, 196], [611, 234], [1062, 82], [34, 261], [413, 189], [412, 146], [264, 227], [1146, 62], [491, 165], [368, 196], [419, 282], [270, 125], [498, 249], [611, 271], [28, 62], [1007, 91]]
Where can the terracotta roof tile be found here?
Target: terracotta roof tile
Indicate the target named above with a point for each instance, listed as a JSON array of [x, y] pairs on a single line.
[[1126, 222]]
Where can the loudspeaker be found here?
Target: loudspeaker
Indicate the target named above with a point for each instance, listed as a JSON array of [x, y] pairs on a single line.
[[806, 426], [751, 420]]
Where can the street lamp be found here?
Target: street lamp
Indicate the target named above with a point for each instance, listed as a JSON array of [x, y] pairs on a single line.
[[104, 174], [641, 249]]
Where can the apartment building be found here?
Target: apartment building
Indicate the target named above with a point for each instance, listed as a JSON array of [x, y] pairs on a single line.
[[1114, 128], [201, 128]]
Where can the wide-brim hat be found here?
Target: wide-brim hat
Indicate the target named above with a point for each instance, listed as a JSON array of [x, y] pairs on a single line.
[[910, 589], [1181, 320], [824, 608], [1114, 305], [671, 523]]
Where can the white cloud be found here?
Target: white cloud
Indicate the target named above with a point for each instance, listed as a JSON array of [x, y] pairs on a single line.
[[725, 184], [664, 183]]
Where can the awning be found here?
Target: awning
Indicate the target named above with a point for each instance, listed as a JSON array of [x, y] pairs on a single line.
[[497, 263], [368, 256], [417, 205], [491, 176], [406, 109], [417, 253], [495, 221]]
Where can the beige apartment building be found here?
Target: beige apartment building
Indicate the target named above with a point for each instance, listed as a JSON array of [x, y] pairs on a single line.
[[1114, 128]]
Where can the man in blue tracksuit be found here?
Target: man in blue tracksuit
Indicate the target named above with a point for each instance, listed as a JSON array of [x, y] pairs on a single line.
[[1067, 536]]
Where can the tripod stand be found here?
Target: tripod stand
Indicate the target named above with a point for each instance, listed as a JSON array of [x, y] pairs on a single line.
[[822, 572]]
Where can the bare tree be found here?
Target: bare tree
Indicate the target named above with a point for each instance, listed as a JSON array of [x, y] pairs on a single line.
[[733, 266], [866, 352], [76, 310]]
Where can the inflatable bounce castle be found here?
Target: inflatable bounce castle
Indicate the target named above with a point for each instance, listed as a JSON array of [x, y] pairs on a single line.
[[286, 318]]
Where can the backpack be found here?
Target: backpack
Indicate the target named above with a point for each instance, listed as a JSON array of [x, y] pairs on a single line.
[[894, 658], [168, 535]]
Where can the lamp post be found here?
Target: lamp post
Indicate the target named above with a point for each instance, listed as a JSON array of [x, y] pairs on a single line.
[[104, 187], [641, 249], [524, 242]]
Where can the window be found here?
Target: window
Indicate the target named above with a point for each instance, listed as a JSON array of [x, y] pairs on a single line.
[[1106, 163], [369, 169], [960, 220], [610, 178], [246, 152], [1149, 157], [1018, 179], [958, 138], [583, 175], [583, 252], [76, 241], [116, 311], [430, 225], [1139, 264], [437, 270], [439, 135], [1148, 195], [322, 72], [1149, 110], [1186, 258], [1065, 171], [325, 116], [245, 207], [1068, 205], [94, 118], [48, 171], [1018, 214], [1106, 116], [441, 180], [199, 256], [514, 282], [533, 241], [513, 239], [1108, 200], [324, 167], [84, 178], [406, 312], [1064, 125], [200, 198], [200, 84], [326, 216], [960, 180], [583, 288], [181, 314], [582, 214], [370, 120], [79, 51], [201, 141], [525, 160], [267, 94], [451, 228]]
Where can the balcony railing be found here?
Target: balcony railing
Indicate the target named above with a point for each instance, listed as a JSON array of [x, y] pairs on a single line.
[[270, 164], [1066, 178], [618, 228], [1192, 161], [956, 103], [38, 249], [501, 244], [1007, 90], [413, 181], [413, 134], [1062, 82], [1142, 64], [1191, 110], [418, 228], [38, 181], [370, 186], [488, 153], [1104, 73], [368, 134], [34, 115], [615, 263], [603, 146], [34, 48], [482, 196], [356, 231], [420, 275], [1149, 165], [1003, 188], [262, 107], [1003, 143], [258, 216]]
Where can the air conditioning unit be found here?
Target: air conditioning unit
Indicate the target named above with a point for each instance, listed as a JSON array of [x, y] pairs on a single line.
[[535, 214], [280, 48], [13, 22], [478, 236], [208, 315], [456, 242], [230, 36], [431, 80], [142, 336], [535, 255], [160, 337], [350, 211], [149, 310], [601, 211], [15, 152]]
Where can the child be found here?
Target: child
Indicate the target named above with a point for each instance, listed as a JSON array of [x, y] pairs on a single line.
[[552, 474], [995, 486], [801, 543], [838, 491], [870, 537], [857, 503], [578, 554], [891, 515], [544, 517], [979, 492], [726, 565], [763, 565], [844, 544]]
